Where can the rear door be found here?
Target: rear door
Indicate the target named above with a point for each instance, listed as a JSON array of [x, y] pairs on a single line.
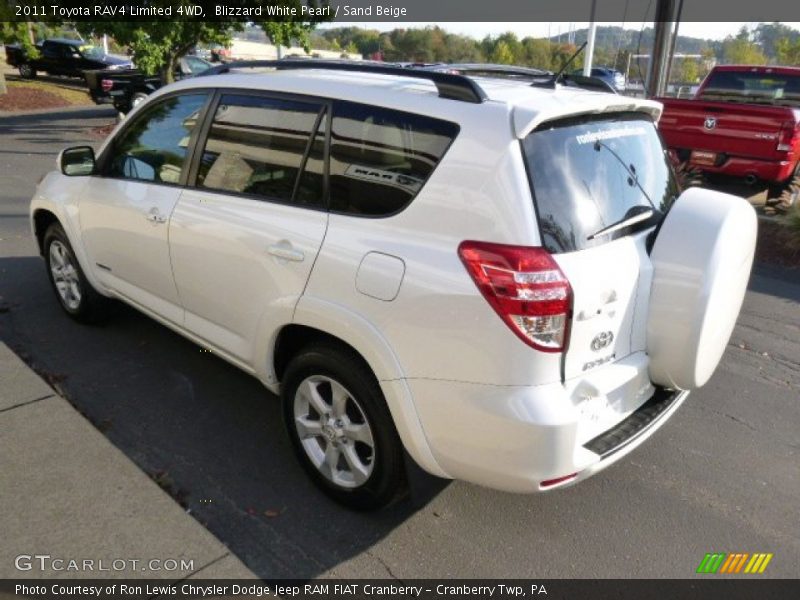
[[588, 174], [245, 236]]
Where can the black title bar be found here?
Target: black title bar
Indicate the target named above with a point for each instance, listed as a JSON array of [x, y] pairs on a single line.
[[400, 11]]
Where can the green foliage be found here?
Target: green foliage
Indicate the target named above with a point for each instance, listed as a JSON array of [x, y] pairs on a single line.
[[769, 35], [742, 49], [18, 33], [788, 51], [502, 54], [158, 45]]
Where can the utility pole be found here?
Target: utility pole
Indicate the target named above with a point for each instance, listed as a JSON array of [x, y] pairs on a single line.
[[587, 63], [3, 88], [674, 41], [656, 75]]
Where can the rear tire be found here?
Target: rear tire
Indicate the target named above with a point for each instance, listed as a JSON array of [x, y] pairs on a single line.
[[26, 71], [74, 292], [137, 99], [775, 190], [340, 427]]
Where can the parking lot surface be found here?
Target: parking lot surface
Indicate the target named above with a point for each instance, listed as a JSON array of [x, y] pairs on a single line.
[[721, 476]]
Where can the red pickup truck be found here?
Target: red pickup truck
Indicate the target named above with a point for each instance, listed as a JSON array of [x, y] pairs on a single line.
[[744, 121]]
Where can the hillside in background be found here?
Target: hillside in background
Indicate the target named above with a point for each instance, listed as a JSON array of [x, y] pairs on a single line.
[[764, 43]]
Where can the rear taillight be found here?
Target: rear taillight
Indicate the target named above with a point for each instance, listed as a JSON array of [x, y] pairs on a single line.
[[789, 130], [525, 287], [106, 84]]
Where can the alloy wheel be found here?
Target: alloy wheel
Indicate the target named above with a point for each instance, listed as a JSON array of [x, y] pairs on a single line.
[[65, 275], [334, 431]]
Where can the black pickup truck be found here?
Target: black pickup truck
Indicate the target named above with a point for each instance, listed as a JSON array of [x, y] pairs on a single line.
[[63, 57], [127, 88]]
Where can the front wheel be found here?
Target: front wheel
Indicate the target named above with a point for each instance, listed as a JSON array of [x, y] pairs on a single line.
[[74, 292], [341, 428], [26, 71]]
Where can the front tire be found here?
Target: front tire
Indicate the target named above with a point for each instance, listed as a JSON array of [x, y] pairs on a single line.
[[340, 427], [26, 71], [74, 292]]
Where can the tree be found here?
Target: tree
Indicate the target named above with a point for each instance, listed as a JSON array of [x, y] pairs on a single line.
[[689, 71], [157, 46], [536, 53], [742, 50], [770, 35], [502, 54], [788, 52]]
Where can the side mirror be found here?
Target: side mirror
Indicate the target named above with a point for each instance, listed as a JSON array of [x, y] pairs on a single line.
[[77, 161]]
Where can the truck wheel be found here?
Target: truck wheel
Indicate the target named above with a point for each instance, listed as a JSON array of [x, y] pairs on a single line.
[[137, 99], [340, 427], [74, 292], [26, 71], [775, 190]]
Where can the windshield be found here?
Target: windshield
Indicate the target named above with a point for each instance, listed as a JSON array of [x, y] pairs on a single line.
[[591, 173], [753, 86], [91, 51]]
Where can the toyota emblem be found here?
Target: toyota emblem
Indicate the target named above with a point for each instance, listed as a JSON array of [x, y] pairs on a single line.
[[602, 340]]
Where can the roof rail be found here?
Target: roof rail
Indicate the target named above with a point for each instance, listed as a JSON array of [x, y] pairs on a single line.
[[453, 87]]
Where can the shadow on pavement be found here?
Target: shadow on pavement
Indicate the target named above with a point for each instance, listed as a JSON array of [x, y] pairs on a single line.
[[773, 280], [208, 433]]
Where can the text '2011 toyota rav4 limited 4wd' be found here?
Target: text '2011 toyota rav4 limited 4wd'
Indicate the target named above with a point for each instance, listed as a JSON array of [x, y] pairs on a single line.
[[502, 278]]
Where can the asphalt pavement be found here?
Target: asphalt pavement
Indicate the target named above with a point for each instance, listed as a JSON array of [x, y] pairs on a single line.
[[721, 476]]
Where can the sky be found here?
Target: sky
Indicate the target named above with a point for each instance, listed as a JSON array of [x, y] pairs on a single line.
[[714, 31]]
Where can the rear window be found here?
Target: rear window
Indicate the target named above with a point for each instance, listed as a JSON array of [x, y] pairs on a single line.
[[590, 173], [753, 86]]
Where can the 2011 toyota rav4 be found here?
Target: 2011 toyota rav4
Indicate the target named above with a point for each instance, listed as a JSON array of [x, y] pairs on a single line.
[[502, 278]]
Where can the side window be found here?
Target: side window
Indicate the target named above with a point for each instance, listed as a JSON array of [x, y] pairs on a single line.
[[256, 146], [52, 50], [381, 158], [154, 147]]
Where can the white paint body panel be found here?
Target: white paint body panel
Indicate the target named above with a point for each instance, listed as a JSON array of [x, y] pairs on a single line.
[[133, 250], [230, 285]]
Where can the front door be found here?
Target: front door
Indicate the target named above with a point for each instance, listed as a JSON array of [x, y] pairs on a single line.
[[125, 211]]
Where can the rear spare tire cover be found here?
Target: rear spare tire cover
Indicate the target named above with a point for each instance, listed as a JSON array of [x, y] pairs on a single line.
[[701, 265]]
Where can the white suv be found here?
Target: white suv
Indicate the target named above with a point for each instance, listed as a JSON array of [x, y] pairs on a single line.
[[502, 278]]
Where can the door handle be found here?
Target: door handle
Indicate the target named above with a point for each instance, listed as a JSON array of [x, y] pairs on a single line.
[[155, 217], [284, 251]]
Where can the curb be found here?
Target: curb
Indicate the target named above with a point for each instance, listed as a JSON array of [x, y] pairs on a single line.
[[76, 497]]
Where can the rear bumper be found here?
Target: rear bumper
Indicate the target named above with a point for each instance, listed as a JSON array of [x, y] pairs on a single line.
[[737, 166], [515, 438]]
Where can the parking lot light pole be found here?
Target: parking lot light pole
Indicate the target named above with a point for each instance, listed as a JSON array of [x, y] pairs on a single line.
[[587, 63], [664, 21]]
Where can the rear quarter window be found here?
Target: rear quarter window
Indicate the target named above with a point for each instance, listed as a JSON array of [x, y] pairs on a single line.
[[589, 173], [380, 159]]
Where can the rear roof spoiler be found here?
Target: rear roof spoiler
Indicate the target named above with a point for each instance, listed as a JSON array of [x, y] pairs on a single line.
[[526, 119]]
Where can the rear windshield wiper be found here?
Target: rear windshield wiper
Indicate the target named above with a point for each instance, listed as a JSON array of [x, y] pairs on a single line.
[[633, 178], [636, 214]]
